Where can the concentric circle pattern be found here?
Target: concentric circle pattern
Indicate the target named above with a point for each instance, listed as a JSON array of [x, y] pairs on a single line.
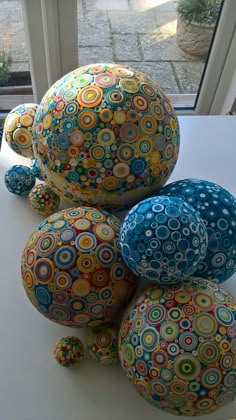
[[18, 129], [72, 269], [68, 351], [103, 344], [19, 180], [163, 239], [217, 207], [177, 346], [43, 200], [106, 135]]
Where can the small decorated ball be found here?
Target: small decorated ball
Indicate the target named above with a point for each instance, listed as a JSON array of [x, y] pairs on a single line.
[[19, 180], [72, 268], [217, 207], [177, 345], [106, 135], [43, 200], [35, 169], [68, 351], [163, 239], [18, 129], [103, 344]]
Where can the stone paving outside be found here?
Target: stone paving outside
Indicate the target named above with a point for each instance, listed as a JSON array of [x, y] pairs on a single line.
[[141, 33]]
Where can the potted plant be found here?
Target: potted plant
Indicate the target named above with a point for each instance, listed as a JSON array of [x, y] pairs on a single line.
[[195, 25], [5, 67]]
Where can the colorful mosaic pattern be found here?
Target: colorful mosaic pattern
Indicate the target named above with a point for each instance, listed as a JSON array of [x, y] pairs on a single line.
[[72, 269], [103, 344], [217, 207], [69, 351], [35, 169], [177, 345], [106, 135], [163, 239], [43, 200], [19, 180], [18, 129]]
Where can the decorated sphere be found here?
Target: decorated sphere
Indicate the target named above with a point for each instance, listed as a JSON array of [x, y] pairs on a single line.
[[163, 239], [43, 200], [106, 135], [19, 180], [177, 345], [103, 344], [18, 129], [35, 169], [68, 351], [72, 269], [217, 207]]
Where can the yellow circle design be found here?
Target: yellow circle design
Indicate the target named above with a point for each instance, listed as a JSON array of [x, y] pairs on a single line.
[[81, 287], [110, 183], [86, 263]]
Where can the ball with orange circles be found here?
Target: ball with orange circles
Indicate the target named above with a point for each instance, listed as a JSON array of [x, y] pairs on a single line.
[[72, 269], [18, 129], [106, 135]]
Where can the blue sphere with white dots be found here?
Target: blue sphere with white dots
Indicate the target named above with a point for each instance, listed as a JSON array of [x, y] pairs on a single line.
[[217, 207], [163, 239], [19, 180]]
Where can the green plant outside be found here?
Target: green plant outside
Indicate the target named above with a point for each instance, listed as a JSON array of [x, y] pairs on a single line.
[[5, 67], [200, 11]]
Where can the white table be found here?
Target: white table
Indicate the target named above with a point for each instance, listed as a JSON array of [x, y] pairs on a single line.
[[32, 385]]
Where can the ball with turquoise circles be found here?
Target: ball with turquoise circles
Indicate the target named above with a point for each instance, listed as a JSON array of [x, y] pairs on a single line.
[[106, 135], [177, 346], [163, 239], [72, 269], [217, 207], [18, 129], [69, 351], [19, 180], [35, 169], [103, 344]]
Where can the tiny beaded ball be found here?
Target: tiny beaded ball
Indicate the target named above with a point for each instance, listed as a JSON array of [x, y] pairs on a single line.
[[18, 129], [68, 351], [19, 180], [163, 239], [217, 208], [103, 344], [106, 135], [35, 169], [43, 200], [177, 346]]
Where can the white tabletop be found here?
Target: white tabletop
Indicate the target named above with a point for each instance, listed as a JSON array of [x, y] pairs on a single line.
[[32, 385]]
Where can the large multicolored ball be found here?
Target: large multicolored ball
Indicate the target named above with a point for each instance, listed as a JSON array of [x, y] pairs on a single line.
[[103, 344], [177, 345], [19, 180], [18, 129], [217, 207], [106, 135], [163, 239], [68, 351], [43, 200], [72, 268]]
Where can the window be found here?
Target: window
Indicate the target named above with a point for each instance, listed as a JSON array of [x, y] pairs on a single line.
[[15, 80], [141, 33]]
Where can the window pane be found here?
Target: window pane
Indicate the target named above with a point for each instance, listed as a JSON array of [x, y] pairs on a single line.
[[15, 81], [150, 36]]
